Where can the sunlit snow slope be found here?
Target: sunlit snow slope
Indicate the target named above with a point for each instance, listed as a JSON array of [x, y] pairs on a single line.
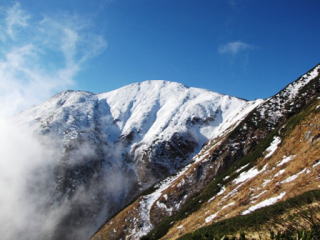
[[139, 116]]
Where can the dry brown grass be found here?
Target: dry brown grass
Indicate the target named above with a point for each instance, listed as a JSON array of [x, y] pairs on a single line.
[[115, 228], [302, 143], [296, 143]]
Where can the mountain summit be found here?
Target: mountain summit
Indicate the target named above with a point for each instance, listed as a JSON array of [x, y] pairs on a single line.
[[133, 137]]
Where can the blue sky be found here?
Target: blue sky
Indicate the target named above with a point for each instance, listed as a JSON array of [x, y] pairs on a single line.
[[245, 48]]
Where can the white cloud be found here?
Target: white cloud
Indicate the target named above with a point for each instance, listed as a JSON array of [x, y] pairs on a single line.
[[37, 58], [234, 48], [15, 18], [40, 57]]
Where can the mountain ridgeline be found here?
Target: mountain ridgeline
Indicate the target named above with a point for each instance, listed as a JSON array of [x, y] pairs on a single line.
[[159, 160]]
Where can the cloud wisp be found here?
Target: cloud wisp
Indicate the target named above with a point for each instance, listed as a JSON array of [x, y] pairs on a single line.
[[234, 48], [15, 18], [41, 56], [38, 57]]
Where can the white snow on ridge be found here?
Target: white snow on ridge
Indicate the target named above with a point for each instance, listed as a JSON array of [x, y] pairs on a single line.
[[273, 146], [316, 164], [280, 173], [247, 175], [211, 217], [293, 88], [147, 111], [266, 182], [228, 205], [234, 119], [264, 203], [285, 159], [241, 168], [258, 195], [180, 227], [157, 109], [163, 206], [274, 107], [222, 190], [295, 176], [231, 193], [145, 207]]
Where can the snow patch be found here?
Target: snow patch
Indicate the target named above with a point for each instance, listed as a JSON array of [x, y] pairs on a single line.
[[251, 173], [279, 173], [264, 203], [211, 199], [258, 195], [180, 227], [294, 177], [285, 159], [165, 196], [163, 206], [149, 200], [266, 182], [181, 183], [241, 168], [211, 217], [231, 193], [228, 205], [316, 164], [273, 146], [226, 178], [222, 190]]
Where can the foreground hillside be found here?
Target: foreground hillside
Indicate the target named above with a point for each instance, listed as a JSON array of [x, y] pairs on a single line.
[[270, 154], [289, 167]]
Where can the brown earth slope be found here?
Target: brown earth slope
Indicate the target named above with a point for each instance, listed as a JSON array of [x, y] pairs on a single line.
[[292, 169]]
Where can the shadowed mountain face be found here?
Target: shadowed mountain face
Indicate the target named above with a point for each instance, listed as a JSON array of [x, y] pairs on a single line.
[[112, 146]]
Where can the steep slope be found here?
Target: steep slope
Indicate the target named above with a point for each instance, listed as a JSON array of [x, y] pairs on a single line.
[[289, 167], [114, 145], [240, 144]]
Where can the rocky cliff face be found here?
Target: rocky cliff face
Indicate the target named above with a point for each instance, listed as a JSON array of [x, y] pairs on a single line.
[[114, 145], [235, 150]]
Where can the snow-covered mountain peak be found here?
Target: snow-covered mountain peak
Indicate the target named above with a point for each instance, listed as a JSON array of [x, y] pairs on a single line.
[[165, 121], [160, 88], [156, 108], [146, 111]]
